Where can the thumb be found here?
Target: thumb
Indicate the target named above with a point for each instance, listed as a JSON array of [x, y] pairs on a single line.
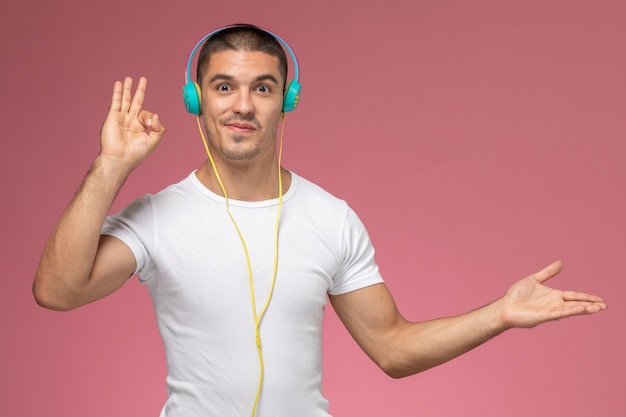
[[151, 123], [155, 125], [548, 272]]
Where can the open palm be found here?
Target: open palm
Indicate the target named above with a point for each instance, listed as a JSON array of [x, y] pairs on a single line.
[[529, 303]]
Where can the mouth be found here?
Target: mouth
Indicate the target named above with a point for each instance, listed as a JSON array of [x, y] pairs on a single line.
[[240, 127]]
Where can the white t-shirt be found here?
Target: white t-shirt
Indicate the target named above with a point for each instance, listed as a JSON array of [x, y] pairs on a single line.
[[192, 260]]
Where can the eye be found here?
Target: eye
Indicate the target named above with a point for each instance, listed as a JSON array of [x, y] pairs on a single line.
[[264, 88], [223, 88]]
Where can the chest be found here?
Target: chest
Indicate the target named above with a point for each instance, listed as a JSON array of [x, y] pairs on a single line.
[[207, 266]]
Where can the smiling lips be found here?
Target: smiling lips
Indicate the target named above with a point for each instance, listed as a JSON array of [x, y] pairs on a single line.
[[241, 127]]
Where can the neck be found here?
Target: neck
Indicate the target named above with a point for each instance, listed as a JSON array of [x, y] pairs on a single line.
[[245, 181]]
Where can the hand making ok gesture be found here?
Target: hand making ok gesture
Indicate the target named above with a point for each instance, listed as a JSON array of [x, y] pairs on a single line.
[[130, 133]]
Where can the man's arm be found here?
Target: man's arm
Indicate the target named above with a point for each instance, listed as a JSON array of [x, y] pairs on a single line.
[[78, 265], [403, 348]]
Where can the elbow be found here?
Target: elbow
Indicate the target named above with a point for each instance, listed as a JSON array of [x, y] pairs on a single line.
[[47, 297], [51, 303], [397, 371], [397, 366]]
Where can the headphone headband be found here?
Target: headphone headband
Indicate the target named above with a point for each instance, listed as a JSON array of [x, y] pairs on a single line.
[[192, 92]]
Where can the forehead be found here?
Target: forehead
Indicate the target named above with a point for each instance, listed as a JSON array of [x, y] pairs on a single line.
[[242, 64]]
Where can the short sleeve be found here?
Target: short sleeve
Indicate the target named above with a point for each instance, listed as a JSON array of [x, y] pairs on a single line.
[[358, 268], [134, 225]]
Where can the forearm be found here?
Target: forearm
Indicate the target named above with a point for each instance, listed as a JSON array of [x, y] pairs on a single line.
[[69, 254], [403, 348], [420, 346]]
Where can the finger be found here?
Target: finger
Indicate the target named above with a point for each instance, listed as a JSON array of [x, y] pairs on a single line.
[[145, 118], [138, 98], [156, 125], [595, 308], [116, 100], [126, 94], [548, 272], [151, 123], [581, 296], [580, 309]]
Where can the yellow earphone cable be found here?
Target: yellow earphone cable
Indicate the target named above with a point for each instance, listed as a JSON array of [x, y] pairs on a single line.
[[257, 316]]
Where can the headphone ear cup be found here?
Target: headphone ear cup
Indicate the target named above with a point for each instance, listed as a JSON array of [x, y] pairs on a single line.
[[191, 96], [292, 96]]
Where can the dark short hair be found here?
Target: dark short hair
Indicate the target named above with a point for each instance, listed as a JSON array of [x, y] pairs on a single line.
[[241, 37]]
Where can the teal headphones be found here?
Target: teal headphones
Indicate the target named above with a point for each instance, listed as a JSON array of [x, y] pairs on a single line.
[[192, 94]]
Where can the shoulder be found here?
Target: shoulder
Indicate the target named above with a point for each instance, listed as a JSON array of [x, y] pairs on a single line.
[[312, 203], [184, 189], [316, 195]]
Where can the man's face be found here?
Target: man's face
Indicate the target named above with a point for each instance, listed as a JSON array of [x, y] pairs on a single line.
[[242, 96]]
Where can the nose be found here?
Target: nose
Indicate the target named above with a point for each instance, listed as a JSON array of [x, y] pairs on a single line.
[[243, 102]]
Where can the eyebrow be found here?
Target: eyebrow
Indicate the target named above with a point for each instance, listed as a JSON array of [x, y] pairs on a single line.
[[226, 77]]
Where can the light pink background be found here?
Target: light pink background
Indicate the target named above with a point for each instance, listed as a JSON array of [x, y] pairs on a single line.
[[478, 141]]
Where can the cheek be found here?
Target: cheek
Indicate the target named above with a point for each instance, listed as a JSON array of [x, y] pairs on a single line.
[[209, 122], [211, 112], [273, 115], [272, 122], [214, 104]]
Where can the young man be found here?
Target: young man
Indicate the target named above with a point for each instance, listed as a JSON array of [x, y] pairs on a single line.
[[242, 255]]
